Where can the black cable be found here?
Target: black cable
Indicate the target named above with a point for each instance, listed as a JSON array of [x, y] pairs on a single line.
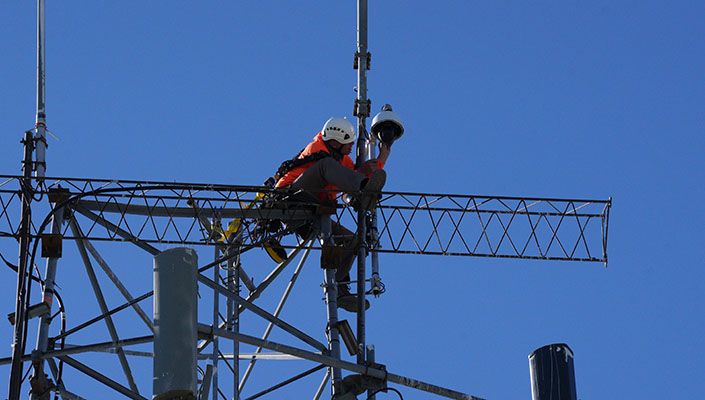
[[25, 275], [59, 205], [27, 302], [28, 298], [29, 191], [97, 192], [15, 268], [62, 310], [41, 188], [26, 374], [31, 277], [39, 274], [50, 215], [385, 391]]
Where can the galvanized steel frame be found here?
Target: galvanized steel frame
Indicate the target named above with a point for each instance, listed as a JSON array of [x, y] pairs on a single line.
[[410, 223], [416, 223]]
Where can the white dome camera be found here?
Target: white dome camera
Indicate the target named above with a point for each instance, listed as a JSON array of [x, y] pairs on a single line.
[[387, 126]]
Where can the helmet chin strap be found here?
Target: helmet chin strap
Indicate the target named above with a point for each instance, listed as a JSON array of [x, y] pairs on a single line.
[[335, 153]]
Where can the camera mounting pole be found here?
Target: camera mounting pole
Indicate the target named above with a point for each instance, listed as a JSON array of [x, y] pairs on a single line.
[[41, 123], [362, 111]]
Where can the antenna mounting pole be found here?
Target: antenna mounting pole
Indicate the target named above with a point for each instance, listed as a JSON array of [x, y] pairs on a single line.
[[41, 125], [362, 111]]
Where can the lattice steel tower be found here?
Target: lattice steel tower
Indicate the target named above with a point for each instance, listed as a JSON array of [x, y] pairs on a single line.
[[227, 221]]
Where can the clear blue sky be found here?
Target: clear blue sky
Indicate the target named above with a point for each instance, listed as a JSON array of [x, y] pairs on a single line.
[[551, 99]]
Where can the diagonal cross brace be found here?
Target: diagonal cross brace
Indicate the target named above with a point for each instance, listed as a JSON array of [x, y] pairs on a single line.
[[262, 313], [101, 302]]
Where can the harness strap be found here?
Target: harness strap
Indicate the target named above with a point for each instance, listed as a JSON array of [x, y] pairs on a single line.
[[295, 162]]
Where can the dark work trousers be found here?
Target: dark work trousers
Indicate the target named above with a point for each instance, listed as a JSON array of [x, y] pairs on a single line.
[[330, 172]]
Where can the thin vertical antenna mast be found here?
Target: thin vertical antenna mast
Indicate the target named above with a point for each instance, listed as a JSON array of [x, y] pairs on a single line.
[[362, 104], [362, 111], [41, 114]]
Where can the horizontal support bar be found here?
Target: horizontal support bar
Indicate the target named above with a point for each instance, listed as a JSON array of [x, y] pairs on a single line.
[[98, 346], [264, 314], [337, 363], [489, 211], [101, 347], [250, 356], [188, 212], [85, 184]]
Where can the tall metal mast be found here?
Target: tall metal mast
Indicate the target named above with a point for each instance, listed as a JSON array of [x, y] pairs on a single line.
[[362, 64], [362, 111], [30, 141], [41, 114]]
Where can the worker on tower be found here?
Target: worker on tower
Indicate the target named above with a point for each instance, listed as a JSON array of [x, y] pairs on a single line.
[[323, 169]]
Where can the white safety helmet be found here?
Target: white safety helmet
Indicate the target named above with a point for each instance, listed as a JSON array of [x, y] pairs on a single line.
[[387, 126], [339, 129]]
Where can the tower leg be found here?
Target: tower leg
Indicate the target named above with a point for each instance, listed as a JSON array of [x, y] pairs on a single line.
[[234, 318], [18, 343], [331, 294], [216, 322], [48, 298], [361, 272]]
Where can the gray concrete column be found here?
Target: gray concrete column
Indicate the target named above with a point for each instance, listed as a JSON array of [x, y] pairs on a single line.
[[175, 324]]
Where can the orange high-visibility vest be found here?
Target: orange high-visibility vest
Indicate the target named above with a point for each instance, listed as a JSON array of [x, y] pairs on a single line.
[[314, 147]]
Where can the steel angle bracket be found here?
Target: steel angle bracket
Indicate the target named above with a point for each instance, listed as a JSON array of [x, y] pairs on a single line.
[[360, 383], [58, 194], [370, 382], [331, 256], [41, 385], [52, 245]]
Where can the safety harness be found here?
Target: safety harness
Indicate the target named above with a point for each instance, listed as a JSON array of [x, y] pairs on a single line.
[[296, 162], [266, 227]]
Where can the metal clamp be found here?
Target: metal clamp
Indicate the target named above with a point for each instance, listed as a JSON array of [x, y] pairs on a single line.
[[331, 256], [59, 194], [356, 62], [51, 245], [362, 108]]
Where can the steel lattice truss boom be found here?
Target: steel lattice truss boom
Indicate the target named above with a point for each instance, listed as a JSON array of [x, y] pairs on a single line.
[[230, 220], [413, 223]]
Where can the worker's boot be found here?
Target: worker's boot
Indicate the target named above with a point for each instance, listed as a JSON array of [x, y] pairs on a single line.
[[348, 301], [371, 189]]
